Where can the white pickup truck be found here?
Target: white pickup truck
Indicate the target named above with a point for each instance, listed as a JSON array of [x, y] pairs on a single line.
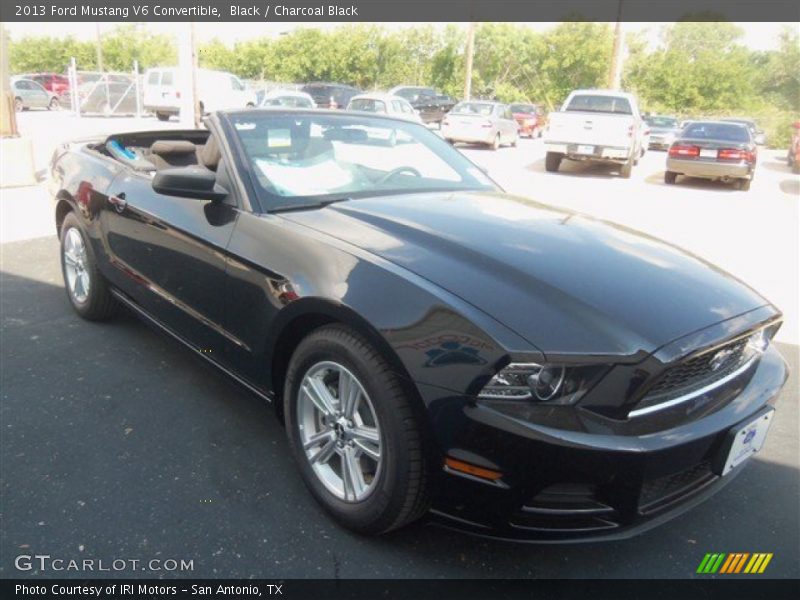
[[599, 126]]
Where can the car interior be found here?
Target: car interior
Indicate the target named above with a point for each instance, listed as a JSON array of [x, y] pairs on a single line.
[[149, 152]]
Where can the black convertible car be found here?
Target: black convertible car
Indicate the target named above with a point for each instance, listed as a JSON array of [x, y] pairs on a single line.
[[433, 345]]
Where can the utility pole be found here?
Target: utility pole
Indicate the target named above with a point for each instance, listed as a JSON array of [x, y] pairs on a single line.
[[615, 73], [99, 47], [470, 53]]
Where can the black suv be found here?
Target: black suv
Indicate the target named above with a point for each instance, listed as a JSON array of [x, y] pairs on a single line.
[[330, 95], [431, 106]]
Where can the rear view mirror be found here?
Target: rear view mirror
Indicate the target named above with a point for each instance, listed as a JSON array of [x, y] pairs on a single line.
[[189, 182]]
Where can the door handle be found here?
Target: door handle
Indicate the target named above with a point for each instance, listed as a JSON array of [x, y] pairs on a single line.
[[118, 202]]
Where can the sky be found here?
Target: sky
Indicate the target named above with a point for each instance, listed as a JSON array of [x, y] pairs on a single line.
[[757, 36]]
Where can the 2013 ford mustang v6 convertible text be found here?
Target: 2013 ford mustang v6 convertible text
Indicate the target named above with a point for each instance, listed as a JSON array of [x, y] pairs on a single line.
[[434, 346]]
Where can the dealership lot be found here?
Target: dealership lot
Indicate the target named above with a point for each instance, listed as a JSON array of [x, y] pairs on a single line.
[[118, 444]]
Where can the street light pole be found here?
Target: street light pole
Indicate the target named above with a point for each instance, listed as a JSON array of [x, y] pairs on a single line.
[[615, 73], [470, 53]]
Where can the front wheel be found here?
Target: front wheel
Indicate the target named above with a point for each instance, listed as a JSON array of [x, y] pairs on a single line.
[[54, 105], [162, 116], [353, 432], [87, 289]]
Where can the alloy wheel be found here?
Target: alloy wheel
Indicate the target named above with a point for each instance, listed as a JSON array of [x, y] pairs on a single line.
[[76, 266], [339, 431]]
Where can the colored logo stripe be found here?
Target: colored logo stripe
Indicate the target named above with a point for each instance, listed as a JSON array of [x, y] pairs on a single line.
[[734, 563]]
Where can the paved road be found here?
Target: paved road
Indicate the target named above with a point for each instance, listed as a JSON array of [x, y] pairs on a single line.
[[117, 444]]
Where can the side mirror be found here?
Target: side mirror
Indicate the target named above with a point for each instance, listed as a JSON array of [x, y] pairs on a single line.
[[189, 182]]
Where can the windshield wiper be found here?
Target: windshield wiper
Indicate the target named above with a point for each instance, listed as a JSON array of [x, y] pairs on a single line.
[[309, 205]]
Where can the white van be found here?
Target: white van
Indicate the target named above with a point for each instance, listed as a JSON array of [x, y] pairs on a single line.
[[216, 90]]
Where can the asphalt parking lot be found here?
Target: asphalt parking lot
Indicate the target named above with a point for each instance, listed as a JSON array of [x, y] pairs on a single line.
[[116, 443]]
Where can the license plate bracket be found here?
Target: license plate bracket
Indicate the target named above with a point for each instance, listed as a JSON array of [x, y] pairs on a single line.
[[583, 149], [742, 442], [706, 153]]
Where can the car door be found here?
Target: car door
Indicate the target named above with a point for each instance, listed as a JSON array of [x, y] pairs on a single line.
[[23, 89], [168, 254]]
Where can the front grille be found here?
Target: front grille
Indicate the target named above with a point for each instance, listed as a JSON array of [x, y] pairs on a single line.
[[696, 373], [659, 493]]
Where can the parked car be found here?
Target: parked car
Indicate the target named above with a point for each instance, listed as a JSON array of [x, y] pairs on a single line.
[[288, 98], [663, 131], [429, 341], [54, 83], [479, 122], [530, 118], [215, 90], [431, 106], [793, 157], [29, 94], [330, 95], [385, 104], [596, 126], [759, 137], [716, 150]]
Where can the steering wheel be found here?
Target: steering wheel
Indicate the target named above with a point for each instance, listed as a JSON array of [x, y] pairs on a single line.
[[397, 171]]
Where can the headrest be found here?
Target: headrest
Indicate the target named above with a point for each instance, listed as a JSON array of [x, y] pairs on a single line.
[[172, 147], [210, 154]]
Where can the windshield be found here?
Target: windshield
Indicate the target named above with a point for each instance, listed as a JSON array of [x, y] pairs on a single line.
[[292, 101], [598, 103], [664, 122], [523, 108], [306, 160], [717, 131], [367, 105], [483, 109]]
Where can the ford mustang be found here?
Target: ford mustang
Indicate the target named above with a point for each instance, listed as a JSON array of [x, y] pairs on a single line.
[[434, 346]]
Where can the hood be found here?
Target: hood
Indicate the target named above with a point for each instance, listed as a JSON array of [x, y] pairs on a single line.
[[567, 283]]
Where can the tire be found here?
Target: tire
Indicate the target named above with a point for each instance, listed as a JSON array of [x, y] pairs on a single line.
[[743, 185], [96, 303], [552, 161], [515, 141], [450, 141], [54, 105], [670, 177], [250, 105], [397, 491], [162, 116], [626, 169], [496, 143], [18, 106]]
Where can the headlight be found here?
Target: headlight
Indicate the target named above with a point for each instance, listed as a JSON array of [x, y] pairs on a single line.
[[551, 384]]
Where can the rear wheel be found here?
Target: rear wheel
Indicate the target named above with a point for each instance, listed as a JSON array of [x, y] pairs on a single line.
[[552, 161], [744, 184], [496, 143], [87, 289], [162, 116], [626, 169], [353, 432], [54, 105], [670, 177]]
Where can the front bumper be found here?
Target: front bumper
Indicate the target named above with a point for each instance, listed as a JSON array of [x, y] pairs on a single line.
[[566, 486], [709, 169]]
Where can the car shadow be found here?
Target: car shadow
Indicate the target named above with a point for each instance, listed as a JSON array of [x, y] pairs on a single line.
[[776, 165], [790, 186], [574, 168], [697, 183]]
